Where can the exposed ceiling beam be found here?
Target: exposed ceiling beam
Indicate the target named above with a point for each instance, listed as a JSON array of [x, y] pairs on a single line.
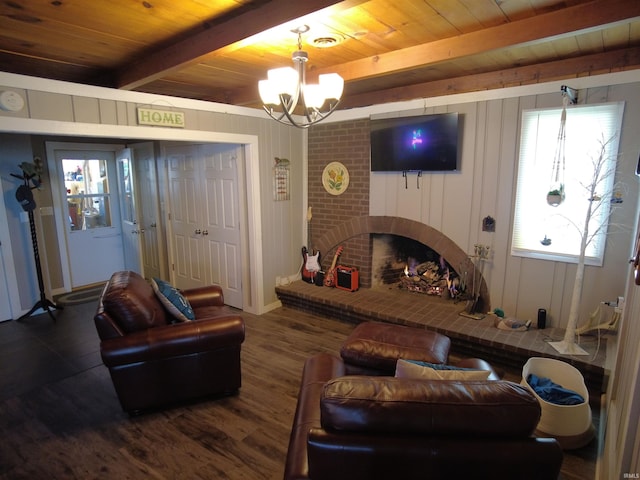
[[619, 60], [190, 50], [566, 22], [595, 15]]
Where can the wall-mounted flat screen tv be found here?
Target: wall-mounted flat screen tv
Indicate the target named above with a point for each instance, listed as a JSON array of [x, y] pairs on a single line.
[[427, 143]]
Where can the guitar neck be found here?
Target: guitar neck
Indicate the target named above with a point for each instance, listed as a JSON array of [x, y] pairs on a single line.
[[335, 258], [333, 264], [309, 216]]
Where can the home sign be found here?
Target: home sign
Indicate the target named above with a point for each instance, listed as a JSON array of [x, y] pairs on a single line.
[[161, 118]]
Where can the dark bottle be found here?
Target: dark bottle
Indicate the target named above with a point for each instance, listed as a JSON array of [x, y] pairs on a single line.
[[542, 318]]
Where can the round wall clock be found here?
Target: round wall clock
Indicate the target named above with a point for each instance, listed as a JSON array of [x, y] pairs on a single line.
[[335, 178]]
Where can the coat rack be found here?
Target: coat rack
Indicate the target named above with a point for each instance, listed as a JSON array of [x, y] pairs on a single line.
[[25, 198]]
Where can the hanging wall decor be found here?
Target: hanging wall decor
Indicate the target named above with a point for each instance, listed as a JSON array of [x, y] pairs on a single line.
[[281, 187], [555, 195], [335, 178]]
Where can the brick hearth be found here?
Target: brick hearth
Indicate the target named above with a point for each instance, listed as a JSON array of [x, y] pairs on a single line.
[[469, 337]]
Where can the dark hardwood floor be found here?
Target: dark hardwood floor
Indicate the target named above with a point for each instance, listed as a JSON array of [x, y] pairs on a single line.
[[60, 417]]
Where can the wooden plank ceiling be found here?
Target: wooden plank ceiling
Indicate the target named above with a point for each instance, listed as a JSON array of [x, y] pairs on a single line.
[[217, 50]]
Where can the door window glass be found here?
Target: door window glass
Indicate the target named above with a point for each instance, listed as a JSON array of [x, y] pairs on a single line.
[[88, 197]]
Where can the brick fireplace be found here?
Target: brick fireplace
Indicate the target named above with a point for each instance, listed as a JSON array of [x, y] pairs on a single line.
[[361, 229], [344, 219]]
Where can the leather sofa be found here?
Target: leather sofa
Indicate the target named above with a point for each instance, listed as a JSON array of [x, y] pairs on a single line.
[[155, 361], [380, 427]]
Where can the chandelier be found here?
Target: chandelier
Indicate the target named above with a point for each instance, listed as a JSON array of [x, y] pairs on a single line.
[[286, 90]]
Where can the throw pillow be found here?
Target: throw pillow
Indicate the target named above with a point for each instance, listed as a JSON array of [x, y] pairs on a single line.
[[173, 300], [413, 370]]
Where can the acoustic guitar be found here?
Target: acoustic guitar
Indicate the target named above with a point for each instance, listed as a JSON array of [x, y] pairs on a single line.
[[310, 260], [330, 276]]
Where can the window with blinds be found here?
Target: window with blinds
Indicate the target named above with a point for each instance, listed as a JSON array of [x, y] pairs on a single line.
[[554, 232]]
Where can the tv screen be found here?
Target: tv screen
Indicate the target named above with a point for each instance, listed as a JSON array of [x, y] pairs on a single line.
[[427, 143]]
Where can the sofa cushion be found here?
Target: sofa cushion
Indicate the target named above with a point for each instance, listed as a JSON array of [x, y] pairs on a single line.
[[399, 406], [430, 371], [173, 300], [131, 303], [377, 346]]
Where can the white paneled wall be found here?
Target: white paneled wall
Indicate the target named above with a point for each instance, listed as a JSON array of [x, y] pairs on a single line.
[[85, 113], [456, 203]]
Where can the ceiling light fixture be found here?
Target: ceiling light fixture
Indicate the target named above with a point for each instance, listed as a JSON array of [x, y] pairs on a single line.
[[286, 89]]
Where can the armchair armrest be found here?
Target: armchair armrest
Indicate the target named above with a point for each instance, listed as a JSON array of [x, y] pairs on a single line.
[[173, 340], [209, 296]]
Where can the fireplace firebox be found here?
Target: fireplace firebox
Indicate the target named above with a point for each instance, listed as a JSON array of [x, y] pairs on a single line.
[[413, 266]]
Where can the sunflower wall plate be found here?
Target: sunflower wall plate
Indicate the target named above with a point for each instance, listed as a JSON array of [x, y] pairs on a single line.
[[335, 178]]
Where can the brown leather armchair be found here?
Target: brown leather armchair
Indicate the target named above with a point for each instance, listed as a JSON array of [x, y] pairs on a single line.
[[350, 427], [155, 361]]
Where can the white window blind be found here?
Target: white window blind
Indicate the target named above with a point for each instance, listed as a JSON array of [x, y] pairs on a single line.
[[587, 128]]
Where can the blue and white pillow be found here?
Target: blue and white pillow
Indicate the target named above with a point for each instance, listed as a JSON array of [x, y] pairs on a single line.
[[173, 300]]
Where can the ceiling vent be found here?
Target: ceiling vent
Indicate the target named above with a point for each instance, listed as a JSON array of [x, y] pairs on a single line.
[[325, 39]]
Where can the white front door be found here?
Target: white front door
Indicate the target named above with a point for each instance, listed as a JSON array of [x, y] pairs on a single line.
[[84, 188], [205, 218]]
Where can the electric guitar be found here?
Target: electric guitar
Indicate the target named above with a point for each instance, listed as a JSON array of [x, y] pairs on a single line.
[[330, 276], [310, 260]]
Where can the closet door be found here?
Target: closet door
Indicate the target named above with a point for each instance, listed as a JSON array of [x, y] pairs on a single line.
[[187, 202], [222, 219], [204, 218]]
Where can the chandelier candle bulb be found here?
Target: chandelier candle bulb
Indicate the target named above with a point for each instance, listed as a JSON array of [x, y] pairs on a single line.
[[267, 93], [313, 96], [284, 80], [332, 85]]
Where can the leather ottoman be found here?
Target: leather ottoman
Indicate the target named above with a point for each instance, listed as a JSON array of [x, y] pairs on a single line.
[[373, 348]]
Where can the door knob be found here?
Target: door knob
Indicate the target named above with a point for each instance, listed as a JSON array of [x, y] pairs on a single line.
[[205, 232], [198, 231]]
